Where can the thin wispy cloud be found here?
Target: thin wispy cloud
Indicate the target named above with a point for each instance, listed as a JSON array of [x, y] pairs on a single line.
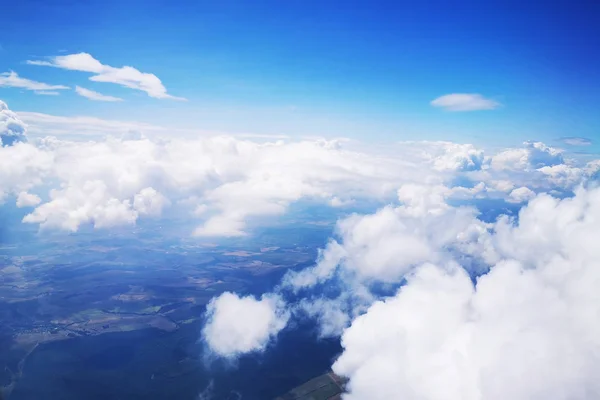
[[93, 95], [13, 80], [47, 93], [465, 102], [576, 141], [125, 76]]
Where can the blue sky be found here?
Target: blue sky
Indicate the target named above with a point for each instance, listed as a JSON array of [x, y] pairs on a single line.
[[366, 70]]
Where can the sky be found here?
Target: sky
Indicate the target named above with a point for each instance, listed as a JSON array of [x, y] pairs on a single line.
[[363, 70], [457, 143]]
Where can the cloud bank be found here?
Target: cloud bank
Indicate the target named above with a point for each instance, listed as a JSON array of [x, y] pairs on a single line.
[[525, 330], [236, 180]]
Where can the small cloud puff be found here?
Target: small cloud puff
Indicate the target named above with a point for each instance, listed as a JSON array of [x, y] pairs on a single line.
[[25, 199], [237, 325]]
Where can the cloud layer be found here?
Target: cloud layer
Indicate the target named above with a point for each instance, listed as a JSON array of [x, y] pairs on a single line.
[[234, 181]]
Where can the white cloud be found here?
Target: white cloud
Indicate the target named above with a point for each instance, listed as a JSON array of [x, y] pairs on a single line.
[[149, 202], [532, 155], [464, 102], [239, 325], [233, 182], [12, 129], [73, 206], [521, 195], [47, 93], [384, 246], [83, 127], [25, 199], [12, 79], [79, 126], [124, 76], [527, 330], [576, 141], [92, 95], [22, 167], [458, 157], [337, 202]]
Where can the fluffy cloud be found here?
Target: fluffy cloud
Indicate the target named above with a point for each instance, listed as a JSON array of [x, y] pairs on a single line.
[[532, 156], [124, 76], [238, 325], [528, 329], [12, 79], [12, 129], [521, 195], [386, 245], [464, 102], [226, 182], [25, 199], [73, 206], [149, 202], [92, 95]]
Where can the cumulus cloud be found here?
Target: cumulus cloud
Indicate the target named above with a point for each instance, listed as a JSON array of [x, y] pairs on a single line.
[[464, 102], [227, 183], [237, 325], [125, 76], [12, 129], [387, 244], [521, 195], [92, 95], [70, 207], [525, 330], [531, 156], [25, 199], [12, 79], [458, 157], [576, 141], [149, 202]]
